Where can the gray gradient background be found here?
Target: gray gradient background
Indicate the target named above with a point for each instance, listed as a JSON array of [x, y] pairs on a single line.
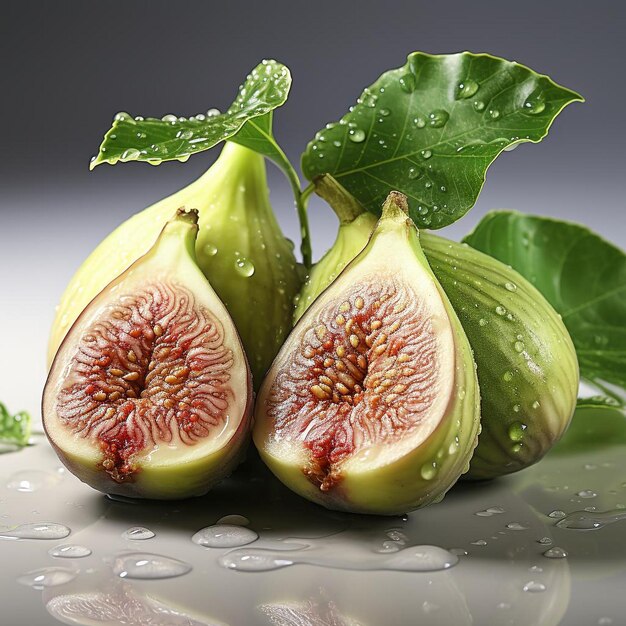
[[67, 67]]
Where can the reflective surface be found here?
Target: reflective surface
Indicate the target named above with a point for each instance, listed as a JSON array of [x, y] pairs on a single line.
[[496, 554]]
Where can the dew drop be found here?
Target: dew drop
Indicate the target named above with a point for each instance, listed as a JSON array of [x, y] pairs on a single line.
[[438, 118], [519, 346], [122, 116], [46, 530], [507, 377], [210, 249], [426, 154], [557, 514], [69, 551], [213, 113], [478, 105], [224, 536], [415, 172], [172, 119], [545, 541], [482, 322], [500, 310], [47, 577], [535, 104], [516, 431], [145, 566], [516, 526], [233, 520], [516, 408], [138, 533], [510, 286], [244, 267], [356, 135], [385, 112], [534, 587], [555, 553], [429, 471], [420, 122], [494, 114], [466, 89], [408, 83], [130, 154]]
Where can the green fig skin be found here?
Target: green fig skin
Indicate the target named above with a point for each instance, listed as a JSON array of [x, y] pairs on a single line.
[[163, 467], [527, 397], [381, 478], [240, 249], [527, 365]]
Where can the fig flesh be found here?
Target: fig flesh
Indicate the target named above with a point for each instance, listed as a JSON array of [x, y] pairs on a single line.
[[240, 249], [150, 393], [371, 405]]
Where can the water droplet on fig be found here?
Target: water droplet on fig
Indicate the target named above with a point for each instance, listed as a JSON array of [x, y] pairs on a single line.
[[244, 267], [500, 310], [519, 346], [510, 286], [516, 431]]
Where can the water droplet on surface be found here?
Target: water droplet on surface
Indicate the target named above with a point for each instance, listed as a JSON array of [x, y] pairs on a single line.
[[426, 154], [213, 112], [546, 541], [466, 89], [482, 322], [69, 551], [244, 267], [385, 112], [438, 118], [516, 408], [535, 104], [478, 105], [500, 310], [172, 119], [510, 286], [516, 526], [519, 346], [356, 135], [479, 542], [585, 520], [516, 431], [130, 154], [587, 493], [557, 514], [494, 114], [420, 122], [507, 377], [458, 551], [534, 587], [47, 577], [144, 566], [28, 481], [45, 530], [429, 471], [233, 520], [555, 553], [415, 172], [408, 83], [224, 536], [138, 533]]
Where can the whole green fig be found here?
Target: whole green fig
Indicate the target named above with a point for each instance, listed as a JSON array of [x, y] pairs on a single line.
[[240, 249]]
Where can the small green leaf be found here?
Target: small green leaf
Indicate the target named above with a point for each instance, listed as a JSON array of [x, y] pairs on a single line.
[[14, 429], [599, 402], [431, 128], [171, 137], [581, 275]]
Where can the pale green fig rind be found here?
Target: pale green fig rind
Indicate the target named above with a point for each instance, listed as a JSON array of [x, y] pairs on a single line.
[[352, 237], [236, 219], [522, 418], [398, 486], [161, 480]]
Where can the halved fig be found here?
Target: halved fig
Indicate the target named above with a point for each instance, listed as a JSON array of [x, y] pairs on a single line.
[[372, 404], [150, 392]]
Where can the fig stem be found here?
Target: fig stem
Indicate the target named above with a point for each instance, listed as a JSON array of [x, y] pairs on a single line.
[[396, 205], [346, 207]]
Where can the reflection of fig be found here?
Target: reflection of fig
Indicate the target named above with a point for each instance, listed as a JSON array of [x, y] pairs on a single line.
[[372, 403], [150, 392], [240, 249], [526, 362]]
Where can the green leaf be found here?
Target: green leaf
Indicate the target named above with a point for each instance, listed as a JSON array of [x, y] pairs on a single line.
[[14, 429], [599, 402], [582, 276], [171, 137], [431, 128]]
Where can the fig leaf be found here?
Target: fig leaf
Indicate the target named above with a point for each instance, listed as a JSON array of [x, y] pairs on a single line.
[[171, 137], [14, 429], [431, 128], [580, 274]]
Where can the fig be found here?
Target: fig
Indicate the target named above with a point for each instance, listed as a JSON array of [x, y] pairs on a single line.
[[526, 362], [527, 366], [372, 403], [240, 249], [150, 393]]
